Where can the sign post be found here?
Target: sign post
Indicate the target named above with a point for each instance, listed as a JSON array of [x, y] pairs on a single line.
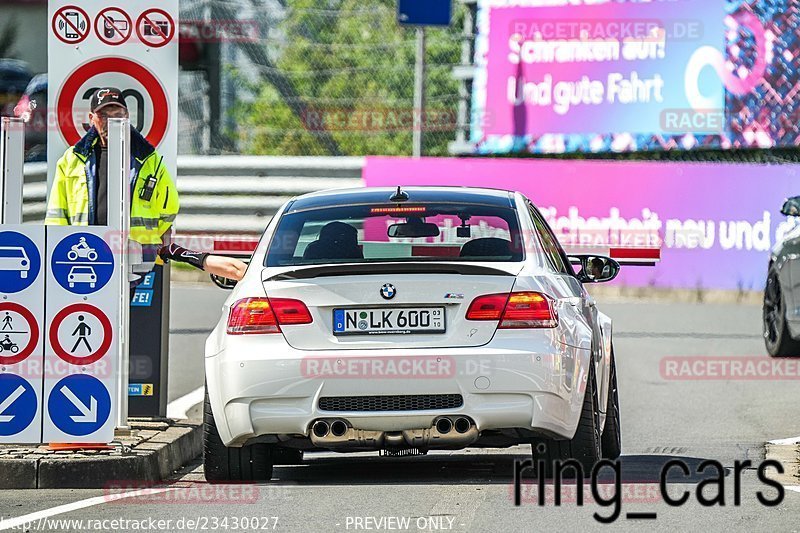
[[132, 46], [12, 157], [119, 218], [421, 13], [21, 299]]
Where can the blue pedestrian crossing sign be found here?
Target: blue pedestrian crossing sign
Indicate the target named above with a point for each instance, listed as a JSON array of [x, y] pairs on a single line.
[[79, 405], [20, 262], [82, 263], [18, 404]]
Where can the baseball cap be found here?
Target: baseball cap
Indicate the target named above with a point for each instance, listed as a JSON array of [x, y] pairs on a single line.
[[106, 96]]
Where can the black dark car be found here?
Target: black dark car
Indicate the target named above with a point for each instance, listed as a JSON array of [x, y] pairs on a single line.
[[782, 293], [32, 108], [14, 77]]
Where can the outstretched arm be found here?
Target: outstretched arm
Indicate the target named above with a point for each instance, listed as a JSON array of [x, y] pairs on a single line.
[[226, 267]]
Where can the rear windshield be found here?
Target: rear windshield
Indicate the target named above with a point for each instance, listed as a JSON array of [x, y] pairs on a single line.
[[421, 232]]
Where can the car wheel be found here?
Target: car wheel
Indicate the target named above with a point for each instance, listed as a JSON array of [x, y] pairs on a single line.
[[776, 332], [585, 446], [612, 437], [222, 464]]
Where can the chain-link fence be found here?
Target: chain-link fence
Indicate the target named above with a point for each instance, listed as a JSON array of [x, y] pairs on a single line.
[[311, 77]]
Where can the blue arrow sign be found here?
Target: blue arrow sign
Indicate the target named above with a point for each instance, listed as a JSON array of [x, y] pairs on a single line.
[[82, 263], [19, 262], [79, 405], [18, 404]]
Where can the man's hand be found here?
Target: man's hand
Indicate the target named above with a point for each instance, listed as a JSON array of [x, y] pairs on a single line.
[[226, 267]]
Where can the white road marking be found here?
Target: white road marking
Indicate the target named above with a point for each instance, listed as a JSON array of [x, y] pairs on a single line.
[[795, 488], [177, 408], [15, 523]]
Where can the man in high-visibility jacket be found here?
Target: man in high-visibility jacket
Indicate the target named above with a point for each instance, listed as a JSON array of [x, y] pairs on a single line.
[[79, 195]]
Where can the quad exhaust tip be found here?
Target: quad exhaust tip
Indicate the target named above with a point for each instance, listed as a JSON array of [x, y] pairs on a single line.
[[321, 428], [443, 425], [338, 428], [462, 425]]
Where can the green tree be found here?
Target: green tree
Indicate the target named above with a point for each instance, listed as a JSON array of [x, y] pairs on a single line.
[[353, 67]]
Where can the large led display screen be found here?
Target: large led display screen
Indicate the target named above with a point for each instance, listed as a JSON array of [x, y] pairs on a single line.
[[610, 75]]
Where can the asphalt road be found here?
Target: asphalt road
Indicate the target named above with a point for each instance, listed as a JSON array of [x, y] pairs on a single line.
[[664, 416]]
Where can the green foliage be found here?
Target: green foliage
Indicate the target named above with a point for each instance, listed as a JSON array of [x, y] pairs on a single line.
[[353, 68]]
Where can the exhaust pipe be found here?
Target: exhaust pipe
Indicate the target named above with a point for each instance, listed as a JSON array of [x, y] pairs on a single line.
[[321, 428], [447, 432], [338, 428], [462, 425]]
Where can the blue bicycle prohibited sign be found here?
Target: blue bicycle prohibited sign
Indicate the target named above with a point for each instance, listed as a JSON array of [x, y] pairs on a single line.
[[82, 263], [20, 262]]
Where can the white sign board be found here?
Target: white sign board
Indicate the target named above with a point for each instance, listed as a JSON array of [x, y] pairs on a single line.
[[84, 284], [22, 273], [134, 48]]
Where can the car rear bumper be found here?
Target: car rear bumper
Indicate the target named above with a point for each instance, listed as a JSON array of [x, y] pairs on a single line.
[[260, 386]]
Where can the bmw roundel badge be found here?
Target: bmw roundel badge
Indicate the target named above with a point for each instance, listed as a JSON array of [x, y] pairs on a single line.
[[388, 291]]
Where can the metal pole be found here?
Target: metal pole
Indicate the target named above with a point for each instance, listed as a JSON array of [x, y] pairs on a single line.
[[119, 209], [12, 160], [419, 92]]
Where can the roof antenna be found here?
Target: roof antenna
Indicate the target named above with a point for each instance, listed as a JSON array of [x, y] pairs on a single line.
[[399, 196]]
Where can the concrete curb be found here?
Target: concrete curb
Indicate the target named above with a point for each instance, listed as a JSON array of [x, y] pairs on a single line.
[[789, 456], [147, 462]]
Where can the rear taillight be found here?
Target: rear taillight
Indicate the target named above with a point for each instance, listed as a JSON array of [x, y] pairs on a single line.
[[515, 310], [254, 316], [290, 312], [488, 307]]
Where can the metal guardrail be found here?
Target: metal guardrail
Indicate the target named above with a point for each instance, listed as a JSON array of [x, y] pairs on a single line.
[[228, 194]]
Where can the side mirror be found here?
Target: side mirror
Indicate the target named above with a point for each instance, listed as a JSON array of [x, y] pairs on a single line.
[[791, 207], [223, 283], [596, 268]]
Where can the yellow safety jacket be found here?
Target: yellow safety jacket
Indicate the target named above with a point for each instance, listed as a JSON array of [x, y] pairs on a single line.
[[72, 196]]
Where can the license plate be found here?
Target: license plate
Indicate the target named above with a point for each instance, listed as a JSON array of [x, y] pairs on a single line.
[[398, 321]]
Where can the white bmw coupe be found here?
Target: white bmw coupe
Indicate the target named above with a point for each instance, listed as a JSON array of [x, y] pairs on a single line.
[[407, 320]]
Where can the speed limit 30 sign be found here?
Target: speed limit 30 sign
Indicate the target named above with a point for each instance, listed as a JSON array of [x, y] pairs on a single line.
[[133, 47]]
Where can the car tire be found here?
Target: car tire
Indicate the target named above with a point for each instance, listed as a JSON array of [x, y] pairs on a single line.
[[776, 332], [585, 446], [612, 437], [224, 464]]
